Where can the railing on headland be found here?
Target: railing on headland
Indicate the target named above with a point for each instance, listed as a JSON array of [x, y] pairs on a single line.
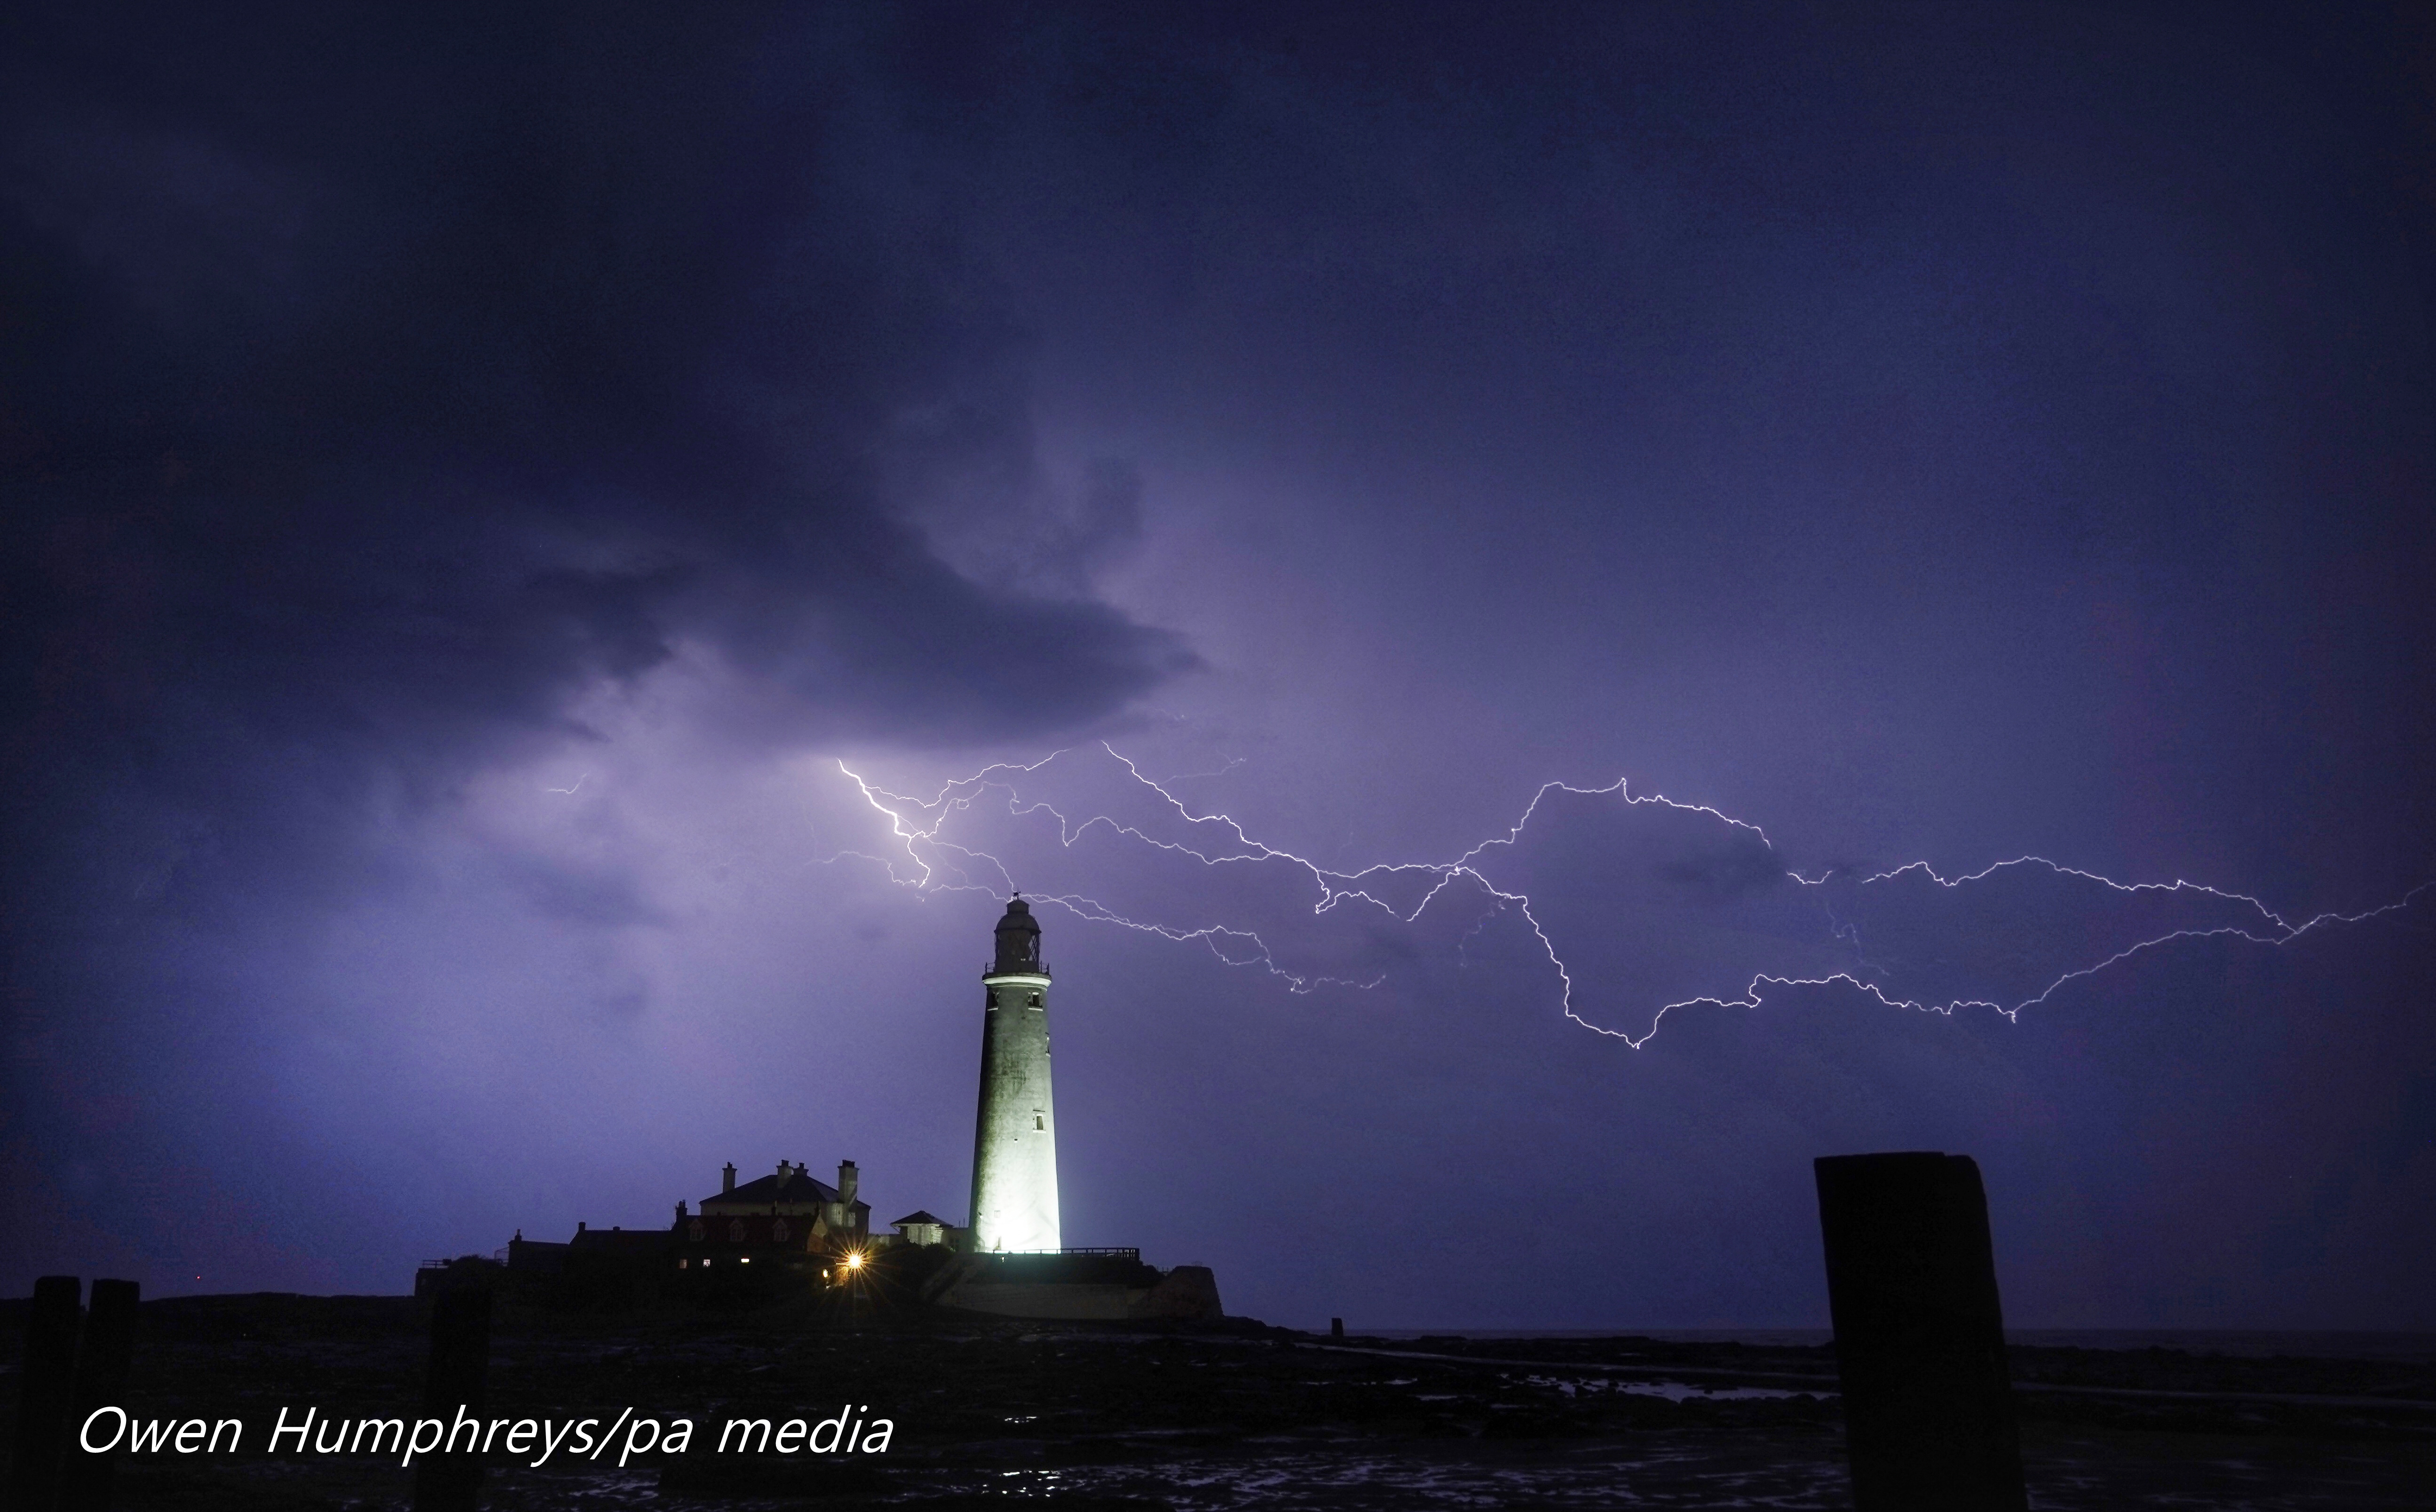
[[1127, 1253]]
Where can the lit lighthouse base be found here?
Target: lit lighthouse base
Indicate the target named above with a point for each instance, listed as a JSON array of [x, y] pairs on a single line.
[[1100, 1285]]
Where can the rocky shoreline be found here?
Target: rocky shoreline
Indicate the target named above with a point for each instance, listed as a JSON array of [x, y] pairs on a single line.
[[1221, 1416]]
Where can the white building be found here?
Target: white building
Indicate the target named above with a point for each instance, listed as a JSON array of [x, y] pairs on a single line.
[[1014, 1135]]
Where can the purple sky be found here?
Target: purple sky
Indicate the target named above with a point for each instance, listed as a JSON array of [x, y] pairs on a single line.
[[491, 500]]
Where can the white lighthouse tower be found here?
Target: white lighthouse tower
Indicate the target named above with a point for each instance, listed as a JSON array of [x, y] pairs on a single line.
[[1015, 1136]]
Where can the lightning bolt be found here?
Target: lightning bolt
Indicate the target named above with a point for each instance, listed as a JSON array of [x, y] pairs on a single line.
[[1247, 949], [915, 824]]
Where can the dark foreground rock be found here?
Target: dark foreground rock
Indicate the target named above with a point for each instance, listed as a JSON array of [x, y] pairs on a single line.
[[1222, 1416]]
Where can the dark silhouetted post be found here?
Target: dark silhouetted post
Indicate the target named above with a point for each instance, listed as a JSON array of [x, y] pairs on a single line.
[[1920, 1339], [103, 1363], [43, 1393], [461, 1361], [1336, 1328]]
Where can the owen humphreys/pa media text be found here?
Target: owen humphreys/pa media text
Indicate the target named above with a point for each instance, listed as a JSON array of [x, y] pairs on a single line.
[[108, 1429]]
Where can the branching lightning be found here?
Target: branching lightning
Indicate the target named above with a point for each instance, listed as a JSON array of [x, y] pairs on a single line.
[[1248, 947], [938, 864]]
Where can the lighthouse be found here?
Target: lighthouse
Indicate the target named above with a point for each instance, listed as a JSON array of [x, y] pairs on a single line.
[[1014, 1133]]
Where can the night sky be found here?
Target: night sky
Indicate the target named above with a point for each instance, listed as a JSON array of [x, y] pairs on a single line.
[[514, 520]]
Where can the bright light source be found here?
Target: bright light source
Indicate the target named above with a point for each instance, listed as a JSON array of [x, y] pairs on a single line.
[[853, 1260]]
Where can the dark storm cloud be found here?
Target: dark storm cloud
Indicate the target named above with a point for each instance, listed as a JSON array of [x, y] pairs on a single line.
[[1042, 543], [372, 388]]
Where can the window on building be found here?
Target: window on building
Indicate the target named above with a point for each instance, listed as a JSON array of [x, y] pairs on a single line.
[[1033, 1000], [1037, 1123], [736, 1232]]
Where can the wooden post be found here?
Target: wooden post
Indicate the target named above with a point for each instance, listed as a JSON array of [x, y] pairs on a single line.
[[43, 1393], [460, 1363], [1920, 1336], [102, 1363]]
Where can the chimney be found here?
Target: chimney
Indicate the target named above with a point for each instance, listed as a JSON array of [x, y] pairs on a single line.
[[786, 1168], [849, 1179], [578, 1225], [727, 1179], [681, 1212]]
